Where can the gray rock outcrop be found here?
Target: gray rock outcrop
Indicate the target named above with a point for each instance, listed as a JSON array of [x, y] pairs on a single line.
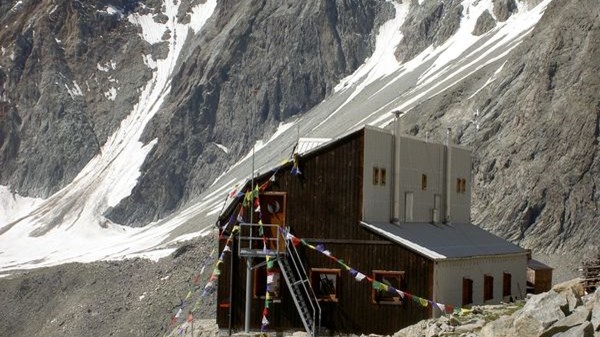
[[536, 147], [430, 24], [503, 9], [485, 23], [256, 64]]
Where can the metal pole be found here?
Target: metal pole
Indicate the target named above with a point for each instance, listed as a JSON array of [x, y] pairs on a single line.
[[249, 259], [248, 294], [233, 249], [396, 184]]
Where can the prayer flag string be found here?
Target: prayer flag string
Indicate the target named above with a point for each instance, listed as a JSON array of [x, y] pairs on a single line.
[[378, 286]]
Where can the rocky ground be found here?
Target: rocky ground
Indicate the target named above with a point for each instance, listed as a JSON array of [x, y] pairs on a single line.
[[565, 311], [134, 297], [138, 297]]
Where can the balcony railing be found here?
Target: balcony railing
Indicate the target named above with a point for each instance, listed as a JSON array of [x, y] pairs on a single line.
[[253, 242]]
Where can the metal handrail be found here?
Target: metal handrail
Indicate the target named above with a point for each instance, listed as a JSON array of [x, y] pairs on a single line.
[[251, 240], [316, 308]]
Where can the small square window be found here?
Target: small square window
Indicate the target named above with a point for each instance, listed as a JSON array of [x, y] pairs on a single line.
[[423, 182], [375, 175], [393, 279], [260, 283], [383, 177], [325, 283]]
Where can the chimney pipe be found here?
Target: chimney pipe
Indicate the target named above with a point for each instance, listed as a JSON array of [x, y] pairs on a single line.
[[448, 173], [397, 132]]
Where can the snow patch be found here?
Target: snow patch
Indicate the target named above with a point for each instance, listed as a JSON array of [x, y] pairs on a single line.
[[75, 91], [69, 225], [101, 68], [222, 147], [16, 6], [111, 94], [383, 61], [13, 206]]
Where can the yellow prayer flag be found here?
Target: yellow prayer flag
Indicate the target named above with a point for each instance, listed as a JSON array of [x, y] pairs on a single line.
[[423, 302]]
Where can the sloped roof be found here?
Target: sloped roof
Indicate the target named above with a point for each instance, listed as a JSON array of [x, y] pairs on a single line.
[[445, 241], [537, 265]]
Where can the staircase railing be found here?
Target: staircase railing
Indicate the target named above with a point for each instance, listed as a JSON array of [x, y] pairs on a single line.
[[303, 294]]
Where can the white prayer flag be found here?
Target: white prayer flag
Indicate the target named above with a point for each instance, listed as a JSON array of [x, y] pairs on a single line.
[[360, 276]]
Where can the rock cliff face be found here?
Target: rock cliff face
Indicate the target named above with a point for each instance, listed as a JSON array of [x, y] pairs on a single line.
[[71, 72], [61, 64], [537, 158], [257, 64]]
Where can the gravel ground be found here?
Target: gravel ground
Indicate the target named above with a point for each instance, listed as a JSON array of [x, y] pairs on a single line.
[[134, 297]]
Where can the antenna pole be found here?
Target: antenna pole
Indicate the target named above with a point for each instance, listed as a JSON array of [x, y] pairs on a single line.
[[249, 259]]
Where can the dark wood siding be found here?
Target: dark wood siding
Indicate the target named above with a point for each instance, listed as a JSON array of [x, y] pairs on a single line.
[[324, 206]]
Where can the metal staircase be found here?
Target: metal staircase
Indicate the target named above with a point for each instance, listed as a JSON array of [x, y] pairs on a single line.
[[290, 263], [301, 290]]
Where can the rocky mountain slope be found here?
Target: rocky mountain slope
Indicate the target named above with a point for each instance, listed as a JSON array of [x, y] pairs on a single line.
[[537, 158], [135, 297], [121, 114]]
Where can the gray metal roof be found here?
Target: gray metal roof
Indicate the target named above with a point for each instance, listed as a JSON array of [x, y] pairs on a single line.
[[441, 241]]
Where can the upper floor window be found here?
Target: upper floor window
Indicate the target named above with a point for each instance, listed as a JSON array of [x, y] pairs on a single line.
[[383, 176], [461, 185], [375, 175], [423, 182]]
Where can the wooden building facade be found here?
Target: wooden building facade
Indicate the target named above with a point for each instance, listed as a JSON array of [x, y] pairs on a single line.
[[323, 205], [329, 203]]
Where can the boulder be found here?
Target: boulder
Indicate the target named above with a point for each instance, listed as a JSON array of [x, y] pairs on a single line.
[[531, 321], [578, 317], [502, 327], [470, 327], [594, 305], [583, 330]]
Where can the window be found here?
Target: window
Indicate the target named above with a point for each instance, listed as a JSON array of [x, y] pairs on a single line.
[[375, 175], [488, 287], [467, 294], [506, 284], [461, 185], [260, 283], [423, 182], [408, 206], [382, 177], [325, 283], [392, 279]]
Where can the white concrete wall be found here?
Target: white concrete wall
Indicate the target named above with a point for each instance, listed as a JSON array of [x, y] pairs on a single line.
[[448, 277], [377, 199], [460, 210], [418, 157]]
